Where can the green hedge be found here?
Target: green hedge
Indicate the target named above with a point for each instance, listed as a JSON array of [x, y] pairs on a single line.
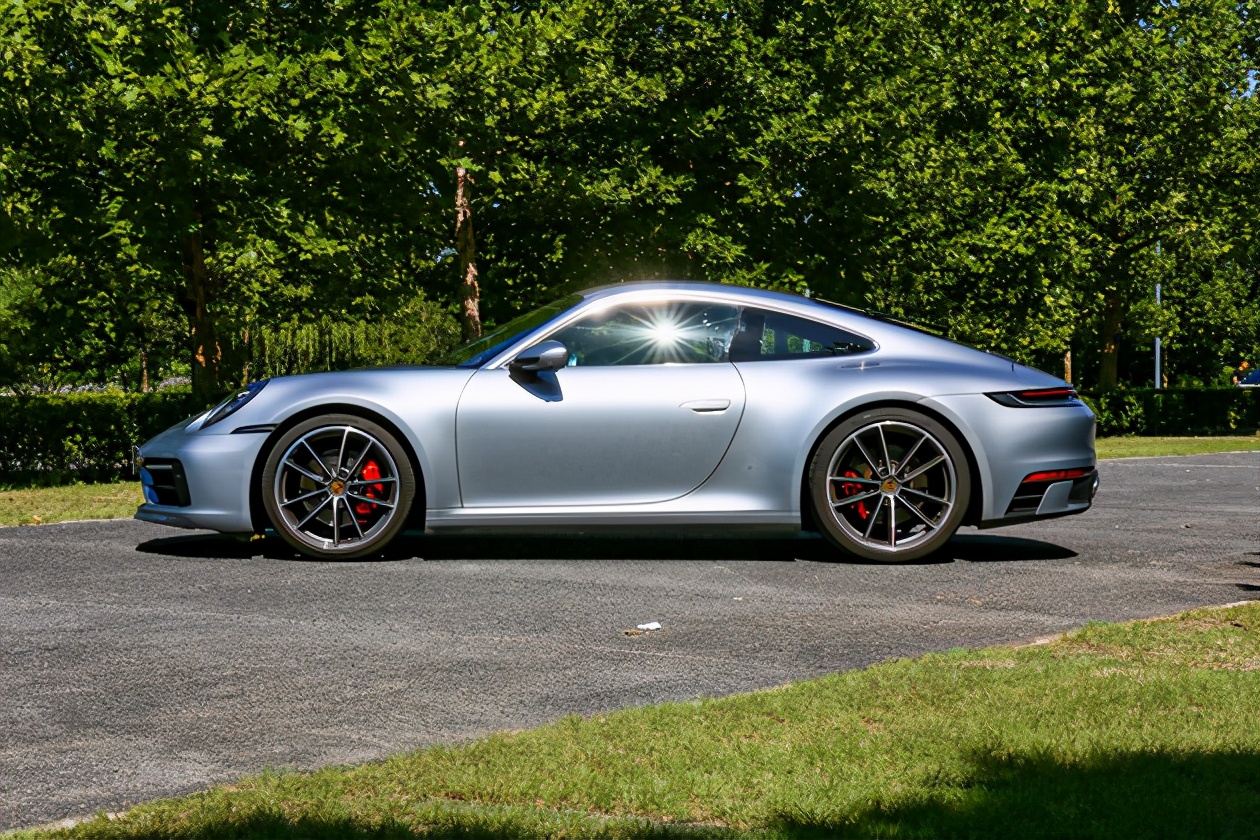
[[59, 438], [1176, 411]]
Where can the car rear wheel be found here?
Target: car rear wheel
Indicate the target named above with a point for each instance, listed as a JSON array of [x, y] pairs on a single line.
[[338, 487], [889, 485]]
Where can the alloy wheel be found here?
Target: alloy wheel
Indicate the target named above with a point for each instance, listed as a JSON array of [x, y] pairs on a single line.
[[891, 486], [336, 489]]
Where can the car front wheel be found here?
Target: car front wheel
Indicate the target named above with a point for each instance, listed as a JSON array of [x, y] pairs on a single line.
[[338, 487], [889, 485]]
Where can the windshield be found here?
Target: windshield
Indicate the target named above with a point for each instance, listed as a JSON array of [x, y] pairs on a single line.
[[483, 349]]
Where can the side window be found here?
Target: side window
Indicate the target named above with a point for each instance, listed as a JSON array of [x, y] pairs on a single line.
[[763, 335], [673, 332]]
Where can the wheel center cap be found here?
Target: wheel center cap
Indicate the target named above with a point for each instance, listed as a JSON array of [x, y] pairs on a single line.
[[337, 487], [890, 485]]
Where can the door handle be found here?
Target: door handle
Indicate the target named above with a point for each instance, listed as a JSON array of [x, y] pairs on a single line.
[[707, 406]]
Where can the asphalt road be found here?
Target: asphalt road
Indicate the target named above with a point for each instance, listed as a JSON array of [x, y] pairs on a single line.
[[141, 662]]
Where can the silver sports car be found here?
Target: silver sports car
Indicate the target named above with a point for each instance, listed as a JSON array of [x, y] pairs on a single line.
[[642, 404]]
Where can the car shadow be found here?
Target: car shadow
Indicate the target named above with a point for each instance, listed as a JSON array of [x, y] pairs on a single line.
[[808, 547], [999, 548]]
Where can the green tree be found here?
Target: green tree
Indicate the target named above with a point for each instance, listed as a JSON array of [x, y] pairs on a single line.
[[1019, 164]]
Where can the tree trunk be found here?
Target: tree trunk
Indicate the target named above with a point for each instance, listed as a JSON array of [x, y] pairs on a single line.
[[198, 294], [144, 371], [1107, 375], [466, 249], [249, 355], [1067, 366]]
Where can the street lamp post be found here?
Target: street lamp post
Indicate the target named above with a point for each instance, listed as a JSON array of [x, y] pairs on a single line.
[[1157, 347]]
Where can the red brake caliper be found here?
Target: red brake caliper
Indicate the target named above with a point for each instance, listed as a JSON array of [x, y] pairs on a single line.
[[850, 488], [370, 472]]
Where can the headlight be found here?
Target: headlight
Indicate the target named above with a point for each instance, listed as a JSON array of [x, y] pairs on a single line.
[[233, 403]]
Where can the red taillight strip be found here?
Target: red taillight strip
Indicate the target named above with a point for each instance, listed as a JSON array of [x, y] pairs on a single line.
[[1046, 394], [1057, 475], [1036, 397]]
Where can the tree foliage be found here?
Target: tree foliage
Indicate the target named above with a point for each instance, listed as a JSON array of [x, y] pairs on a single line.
[[176, 178]]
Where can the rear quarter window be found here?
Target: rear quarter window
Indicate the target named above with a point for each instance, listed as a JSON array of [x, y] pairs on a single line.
[[763, 335]]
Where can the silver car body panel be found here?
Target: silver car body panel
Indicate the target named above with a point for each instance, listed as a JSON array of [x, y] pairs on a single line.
[[724, 444], [641, 433]]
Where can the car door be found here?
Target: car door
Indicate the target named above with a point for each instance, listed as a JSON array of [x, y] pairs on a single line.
[[643, 413]]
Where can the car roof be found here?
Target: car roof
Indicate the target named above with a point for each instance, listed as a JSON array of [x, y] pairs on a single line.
[[696, 286], [828, 311]]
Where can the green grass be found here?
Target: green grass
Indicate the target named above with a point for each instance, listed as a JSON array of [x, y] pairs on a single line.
[[1148, 729], [39, 505], [1133, 447]]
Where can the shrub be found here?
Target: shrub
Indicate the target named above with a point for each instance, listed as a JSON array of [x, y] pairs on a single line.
[[1176, 411], [60, 438]]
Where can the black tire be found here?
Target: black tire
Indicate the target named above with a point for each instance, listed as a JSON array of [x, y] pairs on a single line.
[[890, 517], [338, 487]]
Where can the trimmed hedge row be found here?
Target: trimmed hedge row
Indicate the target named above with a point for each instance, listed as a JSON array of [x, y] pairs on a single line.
[[1176, 411], [59, 438]]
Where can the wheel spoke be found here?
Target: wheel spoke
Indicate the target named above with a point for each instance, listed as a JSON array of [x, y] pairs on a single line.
[[336, 523], [854, 478], [304, 471], [909, 456], [883, 442], [871, 462], [304, 497], [318, 459], [311, 513], [370, 500], [341, 453], [918, 513], [853, 500], [354, 520], [385, 479], [892, 521], [358, 462], [921, 470], [928, 496], [874, 515]]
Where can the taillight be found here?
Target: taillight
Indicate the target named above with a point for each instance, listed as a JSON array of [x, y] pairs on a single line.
[[1057, 475], [1036, 397]]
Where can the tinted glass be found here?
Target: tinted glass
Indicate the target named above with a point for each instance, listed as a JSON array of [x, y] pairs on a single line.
[[764, 335], [675, 332]]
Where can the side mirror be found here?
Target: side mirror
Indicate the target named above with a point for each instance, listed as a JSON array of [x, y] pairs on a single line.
[[546, 355]]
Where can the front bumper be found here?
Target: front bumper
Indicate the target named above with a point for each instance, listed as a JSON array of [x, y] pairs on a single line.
[[216, 470]]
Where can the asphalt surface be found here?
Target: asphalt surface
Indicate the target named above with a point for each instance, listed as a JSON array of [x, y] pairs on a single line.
[[141, 662]]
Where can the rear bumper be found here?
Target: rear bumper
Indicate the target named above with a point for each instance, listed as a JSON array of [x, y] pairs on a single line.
[[1048, 499], [1011, 444]]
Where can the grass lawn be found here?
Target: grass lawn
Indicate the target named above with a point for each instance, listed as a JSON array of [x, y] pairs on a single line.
[[1148, 729], [1132, 447], [37, 505]]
